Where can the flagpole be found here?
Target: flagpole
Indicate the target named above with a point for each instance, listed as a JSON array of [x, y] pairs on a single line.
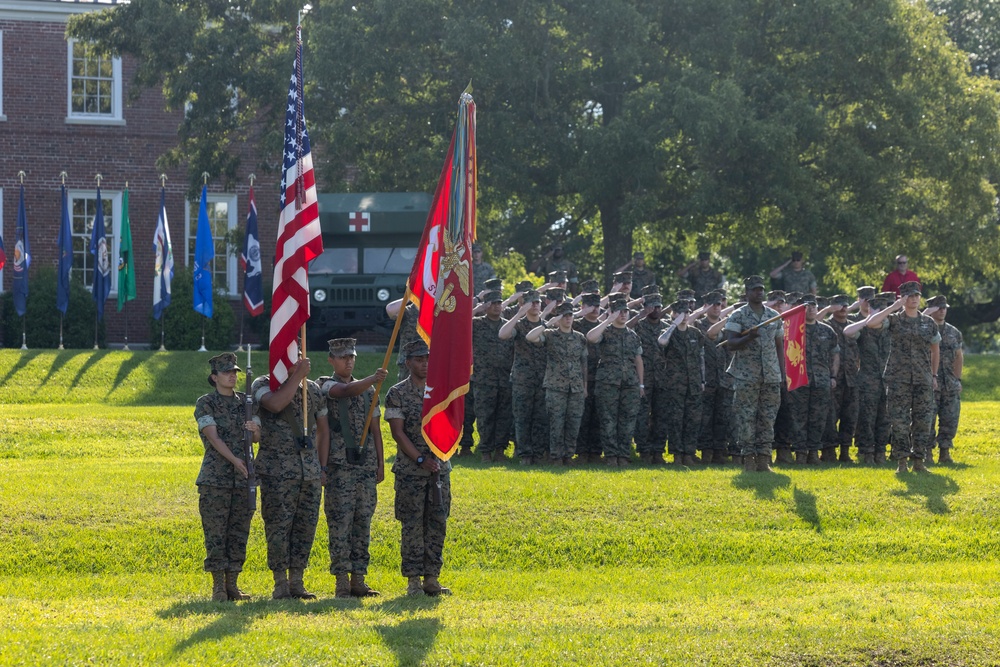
[[125, 313], [95, 332], [305, 382], [24, 332], [385, 361], [163, 329], [61, 332], [203, 348], [780, 316]]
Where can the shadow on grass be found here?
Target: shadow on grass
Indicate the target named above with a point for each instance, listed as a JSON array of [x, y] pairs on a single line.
[[932, 486], [764, 484], [92, 359], [410, 639], [58, 362], [22, 361], [133, 362], [805, 507]]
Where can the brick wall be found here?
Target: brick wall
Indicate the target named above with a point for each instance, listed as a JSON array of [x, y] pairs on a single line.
[[37, 139]]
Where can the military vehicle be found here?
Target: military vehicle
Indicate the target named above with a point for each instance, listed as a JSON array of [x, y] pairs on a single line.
[[369, 241]]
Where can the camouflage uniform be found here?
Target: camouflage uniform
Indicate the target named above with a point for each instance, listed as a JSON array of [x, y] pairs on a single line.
[[810, 405], [351, 488], [947, 398], [407, 334], [756, 381], [424, 523], [289, 478], [222, 491], [714, 433], [872, 432], [684, 381], [566, 358], [651, 422], [480, 274], [845, 394], [641, 278], [703, 282], [531, 424], [493, 359], [798, 281], [909, 383], [617, 390], [588, 442]]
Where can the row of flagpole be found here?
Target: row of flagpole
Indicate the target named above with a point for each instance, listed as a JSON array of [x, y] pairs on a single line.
[[163, 259]]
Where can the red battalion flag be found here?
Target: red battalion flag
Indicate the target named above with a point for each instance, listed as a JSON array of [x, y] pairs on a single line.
[[441, 288], [299, 236], [795, 347]]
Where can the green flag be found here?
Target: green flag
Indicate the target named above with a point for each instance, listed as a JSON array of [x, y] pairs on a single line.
[[126, 267]]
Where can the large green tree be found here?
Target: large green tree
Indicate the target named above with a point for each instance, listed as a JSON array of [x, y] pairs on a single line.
[[852, 128]]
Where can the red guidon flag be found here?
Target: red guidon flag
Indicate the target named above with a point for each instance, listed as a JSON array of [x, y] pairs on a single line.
[[441, 287], [299, 236], [795, 347]]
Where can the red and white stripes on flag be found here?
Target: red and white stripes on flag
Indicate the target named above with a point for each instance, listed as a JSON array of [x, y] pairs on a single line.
[[299, 236]]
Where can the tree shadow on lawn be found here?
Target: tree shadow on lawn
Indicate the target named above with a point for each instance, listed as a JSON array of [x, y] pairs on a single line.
[[930, 485], [410, 639]]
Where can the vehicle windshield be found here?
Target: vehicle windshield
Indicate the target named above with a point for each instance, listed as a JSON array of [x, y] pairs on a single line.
[[389, 260], [335, 260]]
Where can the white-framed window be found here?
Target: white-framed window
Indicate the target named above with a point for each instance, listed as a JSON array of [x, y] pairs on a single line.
[[221, 219], [94, 85], [2, 117], [82, 212]]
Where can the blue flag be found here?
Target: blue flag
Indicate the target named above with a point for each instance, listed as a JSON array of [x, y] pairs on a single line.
[[102, 259], [65, 245], [3, 253], [22, 259], [204, 253], [164, 261], [253, 296]]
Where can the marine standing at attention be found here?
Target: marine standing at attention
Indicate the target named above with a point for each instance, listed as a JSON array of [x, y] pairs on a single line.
[[222, 480]]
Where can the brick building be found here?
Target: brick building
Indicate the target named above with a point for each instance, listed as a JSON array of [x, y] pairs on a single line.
[[65, 109]]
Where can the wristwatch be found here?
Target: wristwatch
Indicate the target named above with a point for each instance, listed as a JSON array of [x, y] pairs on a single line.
[[420, 460]]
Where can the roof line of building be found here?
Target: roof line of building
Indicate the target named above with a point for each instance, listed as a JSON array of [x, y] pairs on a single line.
[[51, 10]]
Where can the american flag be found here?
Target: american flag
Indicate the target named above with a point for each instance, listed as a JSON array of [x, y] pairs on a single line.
[[299, 235]]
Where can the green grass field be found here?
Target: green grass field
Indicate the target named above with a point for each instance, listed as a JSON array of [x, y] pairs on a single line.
[[101, 549]]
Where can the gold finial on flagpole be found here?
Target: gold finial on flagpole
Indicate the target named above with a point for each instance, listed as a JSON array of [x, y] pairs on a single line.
[[63, 175], [126, 185], [163, 180], [468, 89], [98, 178], [204, 177], [252, 177], [21, 175]]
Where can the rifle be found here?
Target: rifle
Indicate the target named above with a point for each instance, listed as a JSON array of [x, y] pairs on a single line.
[[248, 442]]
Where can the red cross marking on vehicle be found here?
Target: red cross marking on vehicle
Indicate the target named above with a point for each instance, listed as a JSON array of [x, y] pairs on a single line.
[[359, 221]]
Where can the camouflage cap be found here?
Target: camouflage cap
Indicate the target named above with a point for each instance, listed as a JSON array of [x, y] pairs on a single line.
[[564, 308], [750, 282], [590, 287], [703, 255], [866, 293], [883, 300], [796, 255], [591, 300], [807, 299], [416, 348], [685, 295], [650, 289], [617, 296], [622, 277], [342, 347], [557, 277], [939, 301], [909, 288], [680, 306], [618, 305], [523, 285], [492, 296], [652, 301], [494, 283], [822, 301], [841, 300], [221, 363], [792, 297], [532, 295], [476, 246], [776, 295], [555, 294], [713, 298], [638, 254]]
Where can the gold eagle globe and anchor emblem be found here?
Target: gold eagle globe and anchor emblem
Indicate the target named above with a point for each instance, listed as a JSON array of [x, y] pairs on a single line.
[[453, 260]]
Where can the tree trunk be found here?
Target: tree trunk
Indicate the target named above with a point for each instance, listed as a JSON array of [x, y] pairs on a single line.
[[617, 239]]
